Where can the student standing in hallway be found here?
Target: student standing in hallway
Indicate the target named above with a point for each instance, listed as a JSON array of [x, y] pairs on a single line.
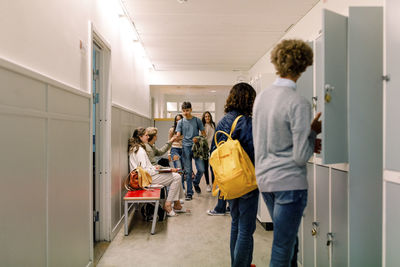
[[190, 127], [243, 209], [175, 153], [209, 126], [284, 141]]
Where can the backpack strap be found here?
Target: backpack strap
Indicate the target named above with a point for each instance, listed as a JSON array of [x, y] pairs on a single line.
[[234, 124], [228, 135]]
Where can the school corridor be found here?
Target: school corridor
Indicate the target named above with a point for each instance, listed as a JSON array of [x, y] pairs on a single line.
[[77, 77]]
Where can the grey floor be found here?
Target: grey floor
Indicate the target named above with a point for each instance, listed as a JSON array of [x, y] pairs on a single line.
[[195, 239]]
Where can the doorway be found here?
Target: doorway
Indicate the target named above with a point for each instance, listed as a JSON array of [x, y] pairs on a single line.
[[101, 143], [96, 53]]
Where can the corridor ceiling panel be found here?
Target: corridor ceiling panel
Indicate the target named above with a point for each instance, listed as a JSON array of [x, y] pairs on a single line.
[[212, 35]]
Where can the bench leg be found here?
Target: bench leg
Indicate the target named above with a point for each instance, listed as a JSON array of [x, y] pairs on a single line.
[[153, 226], [126, 217]]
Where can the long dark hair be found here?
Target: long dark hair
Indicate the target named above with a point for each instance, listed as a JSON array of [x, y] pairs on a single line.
[[203, 119], [134, 142], [241, 98], [175, 122]]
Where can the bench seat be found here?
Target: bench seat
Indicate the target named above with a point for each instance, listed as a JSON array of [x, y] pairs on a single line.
[[142, 196]]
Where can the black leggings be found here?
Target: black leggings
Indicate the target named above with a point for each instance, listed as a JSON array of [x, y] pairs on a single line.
[[206, 175]]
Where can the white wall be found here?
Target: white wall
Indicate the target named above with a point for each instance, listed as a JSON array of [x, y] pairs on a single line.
[[44, 36]]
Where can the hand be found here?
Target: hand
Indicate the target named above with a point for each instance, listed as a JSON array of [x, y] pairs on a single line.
[[169, 158], [195, 140], [174, 170], [173, 138], [157, 167], [317, 146], [316, 124]]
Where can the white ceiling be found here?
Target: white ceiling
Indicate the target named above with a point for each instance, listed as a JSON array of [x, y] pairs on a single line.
[[212, 35]]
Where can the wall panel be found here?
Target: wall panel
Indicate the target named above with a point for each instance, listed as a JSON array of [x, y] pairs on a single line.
[[45, 166], [21, 91], [69, 203], [123, 123], [23, 197]]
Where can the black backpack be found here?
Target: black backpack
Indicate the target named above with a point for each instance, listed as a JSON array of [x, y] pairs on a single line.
[[147, 209]]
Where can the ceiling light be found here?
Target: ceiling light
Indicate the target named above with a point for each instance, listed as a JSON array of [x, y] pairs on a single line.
[[213, 91], [182, 1]]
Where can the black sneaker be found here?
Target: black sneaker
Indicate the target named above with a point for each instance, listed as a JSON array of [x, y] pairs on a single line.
[[197, 189], [188, 197]]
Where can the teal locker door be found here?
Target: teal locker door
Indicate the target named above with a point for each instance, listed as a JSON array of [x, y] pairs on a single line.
[[322, 214], [392, 147], [318, 100], [365, 100], [305, 83], [339, 218], [308, 218], [392, 224], [334, 122]]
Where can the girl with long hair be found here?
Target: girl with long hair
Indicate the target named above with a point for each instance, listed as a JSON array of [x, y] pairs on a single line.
[[138, 157], [209, 127], [175, 153]]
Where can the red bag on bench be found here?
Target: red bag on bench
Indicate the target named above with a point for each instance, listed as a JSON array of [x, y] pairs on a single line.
[[137, 179]]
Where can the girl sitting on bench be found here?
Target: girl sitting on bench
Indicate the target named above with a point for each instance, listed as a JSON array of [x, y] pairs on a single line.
[[138, 157]]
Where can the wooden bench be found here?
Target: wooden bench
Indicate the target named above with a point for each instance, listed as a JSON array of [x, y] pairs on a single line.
[[142, 196]]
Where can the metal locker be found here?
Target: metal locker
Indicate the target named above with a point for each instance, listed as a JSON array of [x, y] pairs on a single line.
[[322, 215], [339, 244], [305, 82], [392, 147], [365, 98], [308, 218], [333, 93], [392, 224]]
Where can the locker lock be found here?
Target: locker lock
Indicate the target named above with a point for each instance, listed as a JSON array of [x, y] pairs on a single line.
[[329, 237], [314, 230], [328, 90]]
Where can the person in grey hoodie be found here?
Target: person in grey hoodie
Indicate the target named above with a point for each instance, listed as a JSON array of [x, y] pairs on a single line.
[[283, 142]]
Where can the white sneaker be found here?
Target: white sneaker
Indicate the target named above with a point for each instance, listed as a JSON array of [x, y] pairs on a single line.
[[208, 188], [181, 201]]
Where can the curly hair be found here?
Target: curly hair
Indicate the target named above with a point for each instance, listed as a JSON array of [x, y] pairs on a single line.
[[291, 57], [241, 98], [134, 142]]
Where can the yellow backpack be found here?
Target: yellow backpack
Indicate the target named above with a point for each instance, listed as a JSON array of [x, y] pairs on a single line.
[[233, 170]]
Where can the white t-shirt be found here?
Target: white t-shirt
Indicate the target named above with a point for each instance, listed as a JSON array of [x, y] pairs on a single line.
[[141, 159]]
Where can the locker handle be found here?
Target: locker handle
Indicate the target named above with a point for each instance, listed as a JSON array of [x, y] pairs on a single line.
[[330, 238]]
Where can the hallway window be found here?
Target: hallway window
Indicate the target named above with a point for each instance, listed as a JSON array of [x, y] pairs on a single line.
[[172, 106], [198, 108]]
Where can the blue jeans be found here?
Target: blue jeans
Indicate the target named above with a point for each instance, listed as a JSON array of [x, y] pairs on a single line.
[[286, 209], [176, 151], [243, 213], [187, 156], [221, 205]]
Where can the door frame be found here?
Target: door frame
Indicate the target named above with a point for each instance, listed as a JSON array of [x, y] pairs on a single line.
[[104, 148]]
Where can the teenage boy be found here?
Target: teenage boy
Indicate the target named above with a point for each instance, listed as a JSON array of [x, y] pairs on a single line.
[[189, 127]]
